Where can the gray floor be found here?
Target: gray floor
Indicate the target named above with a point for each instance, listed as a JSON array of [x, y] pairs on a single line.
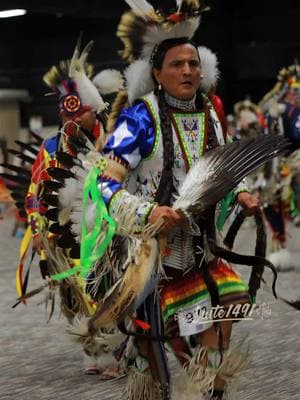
[[38, 361]]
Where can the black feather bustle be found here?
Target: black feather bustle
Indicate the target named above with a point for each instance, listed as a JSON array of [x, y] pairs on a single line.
[[15, 168], [16, 178], [78, 144], [27, 146], [36, 137], [88, 134], [51, 199], [17, 196], [22, 156], [60, 174], [44, 270], [75, 252], [20, 205], [52, 214], [67, 160], [53, 186], [21, 189], [66, 241], [59, 229]]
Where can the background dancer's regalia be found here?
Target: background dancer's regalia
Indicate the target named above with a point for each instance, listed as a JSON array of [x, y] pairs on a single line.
[[280, 195], [82, 111]]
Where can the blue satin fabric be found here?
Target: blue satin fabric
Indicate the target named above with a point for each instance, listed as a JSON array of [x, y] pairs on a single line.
[[141, 134], [130, 143]]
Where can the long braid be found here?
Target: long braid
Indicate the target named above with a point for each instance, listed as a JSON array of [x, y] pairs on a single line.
[[166, 186]]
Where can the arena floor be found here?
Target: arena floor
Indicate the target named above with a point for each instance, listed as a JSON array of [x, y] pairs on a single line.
[[39, 362]]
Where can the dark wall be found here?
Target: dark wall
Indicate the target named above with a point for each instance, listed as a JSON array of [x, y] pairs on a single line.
[[252, 40]]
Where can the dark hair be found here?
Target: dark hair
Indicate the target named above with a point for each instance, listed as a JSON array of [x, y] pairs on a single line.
[[159, 52], [166, 187]]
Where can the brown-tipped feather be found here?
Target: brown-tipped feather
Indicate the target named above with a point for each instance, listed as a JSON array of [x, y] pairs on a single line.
[[122, 297], [120, 102]]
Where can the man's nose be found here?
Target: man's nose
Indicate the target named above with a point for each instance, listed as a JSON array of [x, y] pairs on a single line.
[[186, 68]]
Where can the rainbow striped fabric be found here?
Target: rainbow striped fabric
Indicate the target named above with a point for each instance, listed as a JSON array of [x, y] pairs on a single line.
[[190, 289]]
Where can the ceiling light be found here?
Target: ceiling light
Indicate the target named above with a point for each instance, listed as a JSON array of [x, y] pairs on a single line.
[[12, 13]]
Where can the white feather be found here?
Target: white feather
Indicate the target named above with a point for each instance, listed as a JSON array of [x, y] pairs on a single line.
[[66, 197], [156, 34], [88, 92], [139, 80], [200, 173], [179, 4], [209, 68], [68, 193], [109, 81], [140, 6]]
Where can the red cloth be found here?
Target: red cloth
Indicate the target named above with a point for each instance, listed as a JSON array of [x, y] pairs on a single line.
[[219, 107]]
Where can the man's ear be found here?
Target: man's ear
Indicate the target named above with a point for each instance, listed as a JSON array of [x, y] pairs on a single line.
[[156, 74]]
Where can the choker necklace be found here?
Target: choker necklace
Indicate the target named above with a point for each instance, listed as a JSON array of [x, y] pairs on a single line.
[[184, 105]]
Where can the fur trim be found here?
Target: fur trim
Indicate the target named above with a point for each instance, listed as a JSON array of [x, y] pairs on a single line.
[[235, 361], [209, 69], [184, 388], [198, 373], [282, 260], [97, 345], [139, 80], [140, 386], [109, 81]]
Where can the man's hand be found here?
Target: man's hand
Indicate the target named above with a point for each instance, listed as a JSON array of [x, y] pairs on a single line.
[[248, 202], [170, 216]]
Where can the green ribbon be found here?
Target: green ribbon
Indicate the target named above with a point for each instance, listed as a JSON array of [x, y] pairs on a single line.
[[225, 204], [90, 250]]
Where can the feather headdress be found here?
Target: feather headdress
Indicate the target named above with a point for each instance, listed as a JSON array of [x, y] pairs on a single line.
[[287, 78], [71, 80], [143, 28]]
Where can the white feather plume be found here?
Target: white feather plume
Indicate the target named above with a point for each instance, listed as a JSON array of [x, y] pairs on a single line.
[[138, 79], [140, 6], [87, 90], [209, 68], [179, 4], [109, 81]]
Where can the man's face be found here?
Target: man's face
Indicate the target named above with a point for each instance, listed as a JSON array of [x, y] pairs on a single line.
[[180, 72], [86, 120], [293, 96]]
